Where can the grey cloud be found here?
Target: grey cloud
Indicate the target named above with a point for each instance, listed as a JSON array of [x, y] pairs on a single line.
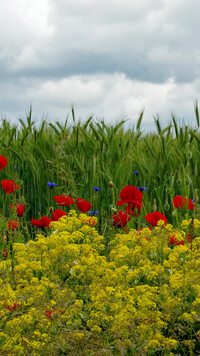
[[94, 53], [149, 43], [148, 40], [147, 68], [105, 11], [113, 97]]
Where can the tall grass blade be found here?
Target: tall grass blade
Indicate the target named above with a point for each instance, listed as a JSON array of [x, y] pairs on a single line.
[[175, 126], [196, 112], [157, 123], [139, 120], [73, 114]]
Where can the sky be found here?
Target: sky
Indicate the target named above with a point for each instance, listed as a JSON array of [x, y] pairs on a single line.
[[109, 58]]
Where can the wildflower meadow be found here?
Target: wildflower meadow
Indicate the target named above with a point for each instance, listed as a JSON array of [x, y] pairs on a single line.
[[100, 238]]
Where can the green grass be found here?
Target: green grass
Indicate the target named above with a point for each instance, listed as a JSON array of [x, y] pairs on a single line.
[[80, 155]]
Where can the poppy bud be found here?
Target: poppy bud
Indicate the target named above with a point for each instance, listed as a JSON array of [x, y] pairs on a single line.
[[154, 205], [51, 210], [166, 206], [114, 210], [5, 253], [135, 211], [111, 184]]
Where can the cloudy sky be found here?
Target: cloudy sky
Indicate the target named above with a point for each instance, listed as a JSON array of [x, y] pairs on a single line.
[[110, 58]]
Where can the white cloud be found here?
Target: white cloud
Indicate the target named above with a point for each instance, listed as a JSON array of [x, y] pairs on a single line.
[[108, 57], [24, 33], [113, 97]]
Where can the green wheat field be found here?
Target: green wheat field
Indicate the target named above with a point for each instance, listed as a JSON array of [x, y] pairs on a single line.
[[82, 288]]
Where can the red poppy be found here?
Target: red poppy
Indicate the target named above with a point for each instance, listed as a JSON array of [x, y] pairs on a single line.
[[153, 218], [5, 253], [63, 199], [136, 209], [183, 202], [133, 197], [15, 305], [83, 205], [9, 186], [92, 221], [120, 219], [173, 241], [188, 238], [57, 214], [3, 162], [49, 313], [180, 243], [126, 230], [20, 209], [13, 224], [150, 228], [43, 222]]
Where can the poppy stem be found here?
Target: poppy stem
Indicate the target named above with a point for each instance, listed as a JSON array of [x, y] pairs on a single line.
[[5, 202]]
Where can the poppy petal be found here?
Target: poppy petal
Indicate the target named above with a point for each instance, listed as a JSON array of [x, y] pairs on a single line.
[[9, 186], [133, 210], [19, 209], [43, 222], [130, 193], [120, 219], [13, 224], [154, 218], [83, 205], [57, 214], [183, 202], [63, 199], [3, 162]]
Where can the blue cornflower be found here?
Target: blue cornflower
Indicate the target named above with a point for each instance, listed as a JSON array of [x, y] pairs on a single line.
[[51, 185], [93, 212], [15, 167], [96, 189], [141, 189], [136, 173]]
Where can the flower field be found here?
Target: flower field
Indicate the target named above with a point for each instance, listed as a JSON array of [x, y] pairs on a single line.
[[100, 243]]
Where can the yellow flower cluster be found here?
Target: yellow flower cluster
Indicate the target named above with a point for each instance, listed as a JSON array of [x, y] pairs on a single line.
[[73, 294], [186, 223]]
